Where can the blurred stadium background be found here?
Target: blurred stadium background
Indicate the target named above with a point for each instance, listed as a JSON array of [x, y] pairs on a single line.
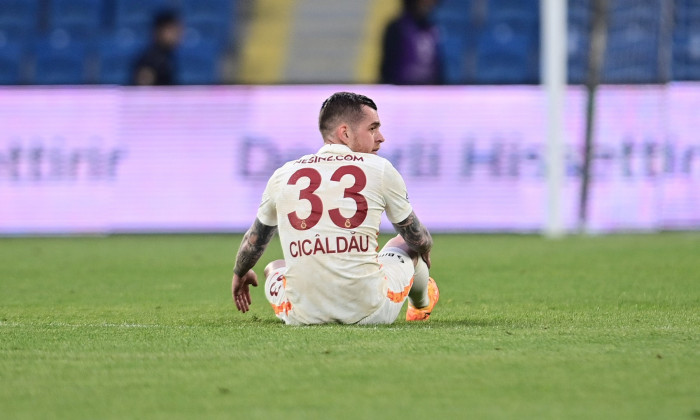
[[45, 42], [142, 326], [97, 157]]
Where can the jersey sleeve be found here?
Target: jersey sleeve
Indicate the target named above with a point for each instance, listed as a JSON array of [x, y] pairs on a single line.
[[267, 211], [395, 195]]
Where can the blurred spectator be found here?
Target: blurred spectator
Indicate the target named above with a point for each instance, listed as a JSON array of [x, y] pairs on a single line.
[[410, 49], [157, 64]]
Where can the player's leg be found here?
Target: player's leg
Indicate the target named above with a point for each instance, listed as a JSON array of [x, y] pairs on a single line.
[[418, 295], [274, 265], [424, 293], [398, 269], [275, 284]]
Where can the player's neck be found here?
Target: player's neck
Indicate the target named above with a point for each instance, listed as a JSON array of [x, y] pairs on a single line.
[[334, 141]]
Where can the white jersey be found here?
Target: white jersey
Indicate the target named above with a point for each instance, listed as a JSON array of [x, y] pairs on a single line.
[[327, 207]]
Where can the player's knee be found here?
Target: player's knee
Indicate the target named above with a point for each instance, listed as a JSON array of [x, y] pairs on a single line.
[[398, 242], [274, 265]]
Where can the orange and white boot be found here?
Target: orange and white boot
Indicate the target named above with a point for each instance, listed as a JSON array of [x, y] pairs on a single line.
[[422, 314]]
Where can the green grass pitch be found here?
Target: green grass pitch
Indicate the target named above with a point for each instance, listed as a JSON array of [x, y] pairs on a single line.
[[144, 327]]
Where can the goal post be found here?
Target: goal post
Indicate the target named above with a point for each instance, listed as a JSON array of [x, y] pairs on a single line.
[[596, 55], [553, 65]]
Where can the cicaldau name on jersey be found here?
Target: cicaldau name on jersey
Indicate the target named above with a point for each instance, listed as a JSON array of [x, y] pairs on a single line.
[[336, 245], [315, 159]]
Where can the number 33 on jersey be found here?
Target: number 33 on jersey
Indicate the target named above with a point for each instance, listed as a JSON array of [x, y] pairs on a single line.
[[335, 192], [354, 192]]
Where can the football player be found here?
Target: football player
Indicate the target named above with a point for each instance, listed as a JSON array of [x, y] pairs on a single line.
[[327, 207]]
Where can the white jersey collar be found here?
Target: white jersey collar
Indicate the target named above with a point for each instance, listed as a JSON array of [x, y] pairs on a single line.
[[335, 149]]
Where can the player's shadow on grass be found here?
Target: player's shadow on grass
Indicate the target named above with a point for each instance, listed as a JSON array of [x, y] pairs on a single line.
[[465, 322], [435, 322]]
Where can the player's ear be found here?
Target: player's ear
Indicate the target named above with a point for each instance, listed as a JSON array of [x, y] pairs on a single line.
[[342, 132]]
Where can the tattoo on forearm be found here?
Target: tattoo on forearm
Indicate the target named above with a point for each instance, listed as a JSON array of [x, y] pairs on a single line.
[[252, 247], [415, 234]]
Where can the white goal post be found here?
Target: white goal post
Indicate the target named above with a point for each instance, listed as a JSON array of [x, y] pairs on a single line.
[[553, 65]]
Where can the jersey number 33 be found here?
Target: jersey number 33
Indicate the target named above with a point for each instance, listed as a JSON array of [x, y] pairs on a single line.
[[354, 192]]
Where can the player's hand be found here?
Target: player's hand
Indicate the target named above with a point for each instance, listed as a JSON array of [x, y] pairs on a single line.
[[426, 258], [240, 290]]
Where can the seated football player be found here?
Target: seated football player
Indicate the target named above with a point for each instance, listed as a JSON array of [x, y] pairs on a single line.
[[327, 207]]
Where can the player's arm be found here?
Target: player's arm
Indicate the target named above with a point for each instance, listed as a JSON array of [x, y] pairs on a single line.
[[411, 230], [252, 247], [416, 236]]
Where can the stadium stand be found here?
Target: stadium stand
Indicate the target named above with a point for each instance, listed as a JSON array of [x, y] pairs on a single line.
[[59, 60], [79, 18], [264, 50], [508, 47], [11, 57], [96, 41], [19, 23], [686, 40], [19, 20], [137, 16], [458, 26], [490, 42], [504, 57], [208, 19], [324, 33], [198, 64], [633, 53], [115, 55], [578, 20], [484, 41]]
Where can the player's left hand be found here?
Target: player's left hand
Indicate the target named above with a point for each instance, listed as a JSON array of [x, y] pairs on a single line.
[[240, 289]]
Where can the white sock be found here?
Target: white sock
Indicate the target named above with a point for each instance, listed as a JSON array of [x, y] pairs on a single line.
[[419, 292]]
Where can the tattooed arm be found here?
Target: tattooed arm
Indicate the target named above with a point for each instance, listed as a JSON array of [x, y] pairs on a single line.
[[416, 236], [252, 247]]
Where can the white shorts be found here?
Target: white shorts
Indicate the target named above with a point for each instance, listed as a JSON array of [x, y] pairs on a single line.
[[398, 269]]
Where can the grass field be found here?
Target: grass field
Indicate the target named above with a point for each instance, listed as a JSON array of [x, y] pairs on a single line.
[[144, 327]]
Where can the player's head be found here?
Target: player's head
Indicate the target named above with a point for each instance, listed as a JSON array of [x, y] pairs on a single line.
[[351, 119]]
